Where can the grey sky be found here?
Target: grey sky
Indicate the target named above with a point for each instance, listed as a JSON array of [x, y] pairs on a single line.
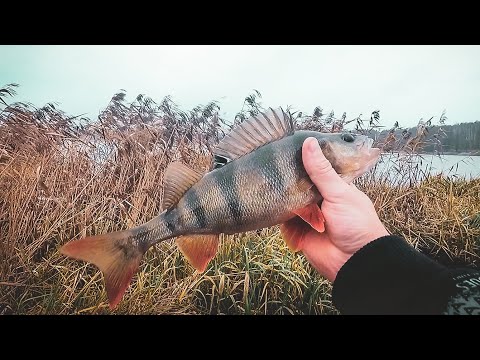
[[405, 83]]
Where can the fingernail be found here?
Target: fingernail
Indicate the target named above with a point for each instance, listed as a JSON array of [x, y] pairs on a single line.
[[312, 145]]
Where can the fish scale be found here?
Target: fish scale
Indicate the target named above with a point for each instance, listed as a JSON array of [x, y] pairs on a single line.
[[258, 180]]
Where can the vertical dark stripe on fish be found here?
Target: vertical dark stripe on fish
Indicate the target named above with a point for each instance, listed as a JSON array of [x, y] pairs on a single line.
[[169, 221], [229, 189], [272, 170], [170, 226], [193, 202], [299, 162]]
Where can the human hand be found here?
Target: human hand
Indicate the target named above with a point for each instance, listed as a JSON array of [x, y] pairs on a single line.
[[351, 221]]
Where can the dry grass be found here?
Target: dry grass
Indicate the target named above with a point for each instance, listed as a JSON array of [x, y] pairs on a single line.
[[253, 273], [60, 180]]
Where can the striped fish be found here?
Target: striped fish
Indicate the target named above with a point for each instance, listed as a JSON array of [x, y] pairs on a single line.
[[257, 180]]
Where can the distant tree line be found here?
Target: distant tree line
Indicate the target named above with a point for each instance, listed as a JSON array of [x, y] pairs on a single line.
[[458, 138], [462, 137]]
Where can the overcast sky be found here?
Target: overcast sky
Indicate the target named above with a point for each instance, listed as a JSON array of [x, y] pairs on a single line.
[[405, 83]]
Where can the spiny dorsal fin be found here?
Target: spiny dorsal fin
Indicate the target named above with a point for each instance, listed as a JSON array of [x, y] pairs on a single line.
[[198, 249], [177, 180], [254, 133]]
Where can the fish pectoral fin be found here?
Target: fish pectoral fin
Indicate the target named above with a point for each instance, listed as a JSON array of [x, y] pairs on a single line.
[[293, 232], [312, 214], [199, 249], [254, 133], [177, 180]]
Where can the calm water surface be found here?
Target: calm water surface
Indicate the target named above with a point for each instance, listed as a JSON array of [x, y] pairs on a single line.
[[404, 169]]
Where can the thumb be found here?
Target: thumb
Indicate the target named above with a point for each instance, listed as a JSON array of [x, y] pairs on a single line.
[[321, 172]]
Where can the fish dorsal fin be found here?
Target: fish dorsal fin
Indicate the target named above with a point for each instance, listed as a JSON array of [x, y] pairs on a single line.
[[254, 133], [177, 180]]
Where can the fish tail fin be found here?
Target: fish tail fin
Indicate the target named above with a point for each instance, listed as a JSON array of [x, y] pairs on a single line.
[[116, 254]]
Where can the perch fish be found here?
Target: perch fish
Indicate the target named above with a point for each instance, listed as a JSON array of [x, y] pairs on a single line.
[[257, 180]]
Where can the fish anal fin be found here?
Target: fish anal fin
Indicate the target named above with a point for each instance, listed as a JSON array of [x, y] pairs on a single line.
[[198, 249], [293, 232], [177, 180], [254, 133], [312, 214]]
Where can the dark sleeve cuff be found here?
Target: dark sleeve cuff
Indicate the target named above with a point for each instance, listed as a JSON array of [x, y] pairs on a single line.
[[388, 276]]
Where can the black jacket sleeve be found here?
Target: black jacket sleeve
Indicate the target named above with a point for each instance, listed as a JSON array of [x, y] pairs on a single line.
[[388, 276]]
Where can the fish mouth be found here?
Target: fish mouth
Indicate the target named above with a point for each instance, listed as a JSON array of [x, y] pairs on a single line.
[[364, 145], [366, 158], [370, 154]]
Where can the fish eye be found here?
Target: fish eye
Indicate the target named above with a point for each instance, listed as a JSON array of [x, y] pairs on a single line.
[[348, 137]]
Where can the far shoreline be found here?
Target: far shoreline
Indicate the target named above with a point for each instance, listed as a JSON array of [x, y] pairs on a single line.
[[476, 153]]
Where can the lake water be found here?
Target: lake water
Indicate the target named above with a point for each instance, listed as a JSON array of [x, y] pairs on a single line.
[[406, 169]]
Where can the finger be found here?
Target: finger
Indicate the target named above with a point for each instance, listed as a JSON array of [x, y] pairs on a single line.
[[321, 172]]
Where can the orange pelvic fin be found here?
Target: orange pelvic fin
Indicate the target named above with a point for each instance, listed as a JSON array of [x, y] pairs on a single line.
[[114, 254], [313, 216], [198, 249], [293, 232]]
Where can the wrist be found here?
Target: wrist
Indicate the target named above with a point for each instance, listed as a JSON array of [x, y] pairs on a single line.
[[339, 258], [336, 262], [376, 233], [327, 266]]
